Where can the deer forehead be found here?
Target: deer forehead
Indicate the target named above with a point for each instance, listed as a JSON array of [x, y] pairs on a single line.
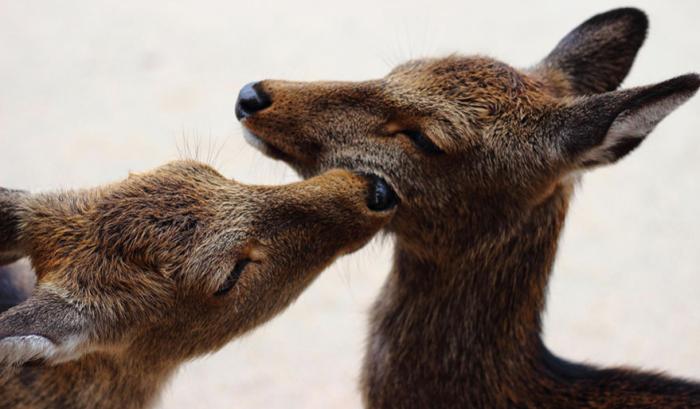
[[457, 75], [469, 94]]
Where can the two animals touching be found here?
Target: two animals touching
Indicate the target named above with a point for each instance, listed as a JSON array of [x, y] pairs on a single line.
[[468, 162]]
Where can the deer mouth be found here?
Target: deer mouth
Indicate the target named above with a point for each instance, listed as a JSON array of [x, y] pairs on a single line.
[[298, 156], [266, 147]]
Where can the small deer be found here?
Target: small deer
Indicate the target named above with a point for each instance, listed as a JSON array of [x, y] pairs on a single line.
[[137, 277], [484, 158]]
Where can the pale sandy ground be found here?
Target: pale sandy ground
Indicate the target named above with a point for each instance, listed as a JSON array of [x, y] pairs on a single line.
[[90, 90]]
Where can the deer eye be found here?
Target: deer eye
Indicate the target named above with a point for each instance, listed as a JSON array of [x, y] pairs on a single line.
[[232, 278], [422, 142]]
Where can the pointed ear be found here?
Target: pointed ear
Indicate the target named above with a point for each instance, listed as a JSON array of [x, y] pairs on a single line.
[[601, 129], [45, 327], [597, 55], [10, 247]]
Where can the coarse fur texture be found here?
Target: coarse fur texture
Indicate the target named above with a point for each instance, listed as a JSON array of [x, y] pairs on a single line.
[[136, 277], [484, 157]]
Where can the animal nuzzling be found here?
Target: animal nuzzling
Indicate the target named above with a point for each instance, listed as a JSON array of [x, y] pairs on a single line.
[[483, 157], [136, 277]]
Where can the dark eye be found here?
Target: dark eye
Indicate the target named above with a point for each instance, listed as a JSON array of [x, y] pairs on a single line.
[[232, 278], [422, 142]]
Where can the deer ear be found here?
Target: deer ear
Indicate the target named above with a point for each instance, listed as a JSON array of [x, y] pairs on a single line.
[[601, 129], [597, 55], [10, 246], [45, 327]]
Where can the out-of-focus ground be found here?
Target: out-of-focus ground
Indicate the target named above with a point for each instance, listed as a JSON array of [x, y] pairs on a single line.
[[91, 90]]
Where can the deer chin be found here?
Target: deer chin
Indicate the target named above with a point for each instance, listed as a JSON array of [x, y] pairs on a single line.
[[266, 148], [294, 157]]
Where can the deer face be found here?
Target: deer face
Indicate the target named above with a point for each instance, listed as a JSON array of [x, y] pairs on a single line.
[[179, 260], [469, 140], [446, 133]]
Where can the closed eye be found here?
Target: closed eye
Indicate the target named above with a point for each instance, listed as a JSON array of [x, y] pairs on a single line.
[[422, 142], [232, 278]]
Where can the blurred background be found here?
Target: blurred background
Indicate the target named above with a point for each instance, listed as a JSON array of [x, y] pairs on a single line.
[[90, 90]]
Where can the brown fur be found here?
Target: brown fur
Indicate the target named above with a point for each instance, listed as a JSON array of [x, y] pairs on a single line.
[[128, 275], [483, 201]]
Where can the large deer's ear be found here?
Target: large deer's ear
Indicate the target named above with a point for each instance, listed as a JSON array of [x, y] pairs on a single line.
[[600, 129], [597, 55], [10, 246], [46, 328]]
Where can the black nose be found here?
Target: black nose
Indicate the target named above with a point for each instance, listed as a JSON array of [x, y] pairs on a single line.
[[251, 99], [381, 196]]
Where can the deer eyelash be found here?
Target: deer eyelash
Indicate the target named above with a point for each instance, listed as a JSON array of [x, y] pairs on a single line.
[[422, 142], [232, 278]]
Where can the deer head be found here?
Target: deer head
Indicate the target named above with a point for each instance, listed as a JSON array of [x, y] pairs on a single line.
[[470, 143], [175, 262]]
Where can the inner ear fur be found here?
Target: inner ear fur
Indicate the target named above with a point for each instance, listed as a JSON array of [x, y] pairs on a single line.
[[603, 128]]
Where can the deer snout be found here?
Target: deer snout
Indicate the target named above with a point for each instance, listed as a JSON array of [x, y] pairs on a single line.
[[353, 192], [251, 99]]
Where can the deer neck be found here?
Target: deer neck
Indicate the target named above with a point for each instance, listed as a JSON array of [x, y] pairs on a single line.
[[466, 311], [496, 274], [458, 324]]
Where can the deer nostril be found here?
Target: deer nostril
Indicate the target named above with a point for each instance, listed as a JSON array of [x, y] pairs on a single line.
[[251, 99], [380, 196]]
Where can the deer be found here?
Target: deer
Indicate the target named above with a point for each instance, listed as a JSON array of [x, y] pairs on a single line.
[[484, 158], [136, 277]]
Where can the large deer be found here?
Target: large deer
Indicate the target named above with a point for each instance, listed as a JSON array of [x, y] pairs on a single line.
[[137, 277], [484, 158]]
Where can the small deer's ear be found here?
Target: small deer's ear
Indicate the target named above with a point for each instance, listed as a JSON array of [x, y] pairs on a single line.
[[597, 55], [600, 129], [10, 247], [46, 328]]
